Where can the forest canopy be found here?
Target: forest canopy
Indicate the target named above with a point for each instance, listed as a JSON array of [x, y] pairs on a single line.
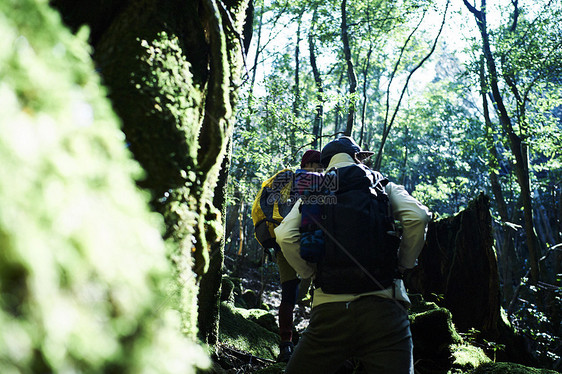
[[415, 95]]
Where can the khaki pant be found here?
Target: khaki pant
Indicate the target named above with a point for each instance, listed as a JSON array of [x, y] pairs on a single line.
[[374, 330], [286, 272]]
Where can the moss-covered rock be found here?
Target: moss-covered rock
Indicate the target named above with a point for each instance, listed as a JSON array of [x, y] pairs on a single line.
[[433, 332], [466, 357], [262, 318], [420, 305], [438, 348], [82, 262], [237, 330], [277, 368], [509, 368], [227, 290]]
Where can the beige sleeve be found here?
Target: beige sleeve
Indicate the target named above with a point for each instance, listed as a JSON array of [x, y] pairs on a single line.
[[288, 237], [414, 218]]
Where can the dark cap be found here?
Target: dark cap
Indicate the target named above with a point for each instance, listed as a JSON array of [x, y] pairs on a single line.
[[309, 157], [344, 144]]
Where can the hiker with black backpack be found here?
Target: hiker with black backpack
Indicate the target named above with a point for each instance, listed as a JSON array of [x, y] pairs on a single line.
[[273, 202], [359, 304]]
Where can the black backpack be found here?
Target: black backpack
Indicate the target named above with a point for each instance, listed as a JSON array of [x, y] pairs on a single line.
[[360, 242]]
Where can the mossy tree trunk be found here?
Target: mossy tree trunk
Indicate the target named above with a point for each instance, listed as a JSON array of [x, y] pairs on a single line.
[[210, 286], [173, 68], [459, 263]]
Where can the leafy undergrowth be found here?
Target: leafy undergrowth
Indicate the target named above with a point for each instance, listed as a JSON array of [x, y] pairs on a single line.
[[537, 315]]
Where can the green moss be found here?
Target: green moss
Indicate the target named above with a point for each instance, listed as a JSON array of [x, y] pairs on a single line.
[[509, 368], [167, 148], [419, 305], [278, 368], [436, 341], [165, 77], [505, 318], [236, 330], [433, 331], [163, 131], [261, 317], [467, 357], [83, 268], [227, 290]]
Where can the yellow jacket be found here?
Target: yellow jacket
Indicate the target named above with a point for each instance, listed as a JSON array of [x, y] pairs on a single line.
[[412, 214]]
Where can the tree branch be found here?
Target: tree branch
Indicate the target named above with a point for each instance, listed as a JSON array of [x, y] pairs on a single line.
[[350, 69], [515, 15], [472, 9], [386, 131], [396, 69], [317, 127]]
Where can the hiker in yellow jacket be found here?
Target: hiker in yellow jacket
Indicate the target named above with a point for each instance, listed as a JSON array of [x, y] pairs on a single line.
[[373, 326]]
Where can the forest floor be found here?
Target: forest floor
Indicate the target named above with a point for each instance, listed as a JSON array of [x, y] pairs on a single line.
[[262, 279], [259, 287]]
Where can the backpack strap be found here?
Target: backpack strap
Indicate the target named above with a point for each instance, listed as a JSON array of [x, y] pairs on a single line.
[[268, 220]]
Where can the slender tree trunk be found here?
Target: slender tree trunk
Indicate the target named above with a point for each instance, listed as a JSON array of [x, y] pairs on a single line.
[[256, 57], [318, 118], [510, 260], [338, 110], [254, 70], [405, 161], [559, 219], [543, 221], [558, 226], [352, 77], [366, 69], [493, 169], [517, 145], [493, 164], [296, 102], [296, 88]]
